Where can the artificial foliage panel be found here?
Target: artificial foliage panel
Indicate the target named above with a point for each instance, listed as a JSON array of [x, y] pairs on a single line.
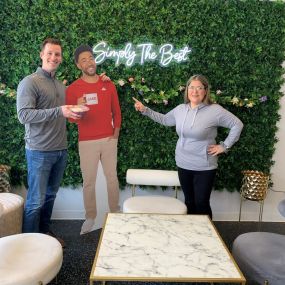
[[238, 45]]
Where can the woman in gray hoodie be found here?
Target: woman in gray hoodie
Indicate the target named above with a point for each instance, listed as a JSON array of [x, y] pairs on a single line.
[[196, 123]]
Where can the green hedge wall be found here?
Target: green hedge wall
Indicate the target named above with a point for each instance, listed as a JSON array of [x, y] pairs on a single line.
[[238, 45]]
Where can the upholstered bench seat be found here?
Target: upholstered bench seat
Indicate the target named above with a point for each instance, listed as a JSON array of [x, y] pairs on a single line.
[[154, 205], [29, 259], [261, 257]]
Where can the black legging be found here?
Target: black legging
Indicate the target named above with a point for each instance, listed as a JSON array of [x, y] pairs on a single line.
[[197, 187]]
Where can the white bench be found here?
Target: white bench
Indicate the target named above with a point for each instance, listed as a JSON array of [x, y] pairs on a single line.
[[153, 204]]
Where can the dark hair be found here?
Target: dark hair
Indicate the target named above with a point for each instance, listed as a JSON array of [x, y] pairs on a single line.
[[80, 50], [50, 41], [207, 100]]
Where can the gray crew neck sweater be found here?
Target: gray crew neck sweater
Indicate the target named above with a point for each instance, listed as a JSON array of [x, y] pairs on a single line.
[[197, 129], [39, 97]]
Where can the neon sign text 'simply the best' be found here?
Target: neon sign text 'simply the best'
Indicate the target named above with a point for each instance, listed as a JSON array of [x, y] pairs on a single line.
[[141, 53]]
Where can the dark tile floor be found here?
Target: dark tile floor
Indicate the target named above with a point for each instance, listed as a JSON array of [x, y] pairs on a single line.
[[80, 251]]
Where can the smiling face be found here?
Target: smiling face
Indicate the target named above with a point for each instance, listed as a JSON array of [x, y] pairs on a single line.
[[196, 93], [86, 63], [51, 56]]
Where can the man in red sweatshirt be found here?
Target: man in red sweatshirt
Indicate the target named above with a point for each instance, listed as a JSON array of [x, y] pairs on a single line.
[[98, 131]]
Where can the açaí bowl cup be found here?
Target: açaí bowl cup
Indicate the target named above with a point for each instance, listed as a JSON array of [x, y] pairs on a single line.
[[79, 109]]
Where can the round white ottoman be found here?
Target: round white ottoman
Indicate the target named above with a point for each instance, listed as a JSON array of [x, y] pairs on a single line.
[[29, 259], [11, 214], [154, 205]]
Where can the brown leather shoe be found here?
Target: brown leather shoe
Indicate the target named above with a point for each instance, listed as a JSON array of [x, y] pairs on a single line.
[[60, 240]]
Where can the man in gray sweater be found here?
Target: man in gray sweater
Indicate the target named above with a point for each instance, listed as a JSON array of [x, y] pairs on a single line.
[[40, 107]]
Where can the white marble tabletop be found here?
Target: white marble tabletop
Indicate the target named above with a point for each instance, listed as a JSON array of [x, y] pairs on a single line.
[[157, 247]]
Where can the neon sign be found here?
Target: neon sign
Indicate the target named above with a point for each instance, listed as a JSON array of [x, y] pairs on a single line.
[[141, 53]]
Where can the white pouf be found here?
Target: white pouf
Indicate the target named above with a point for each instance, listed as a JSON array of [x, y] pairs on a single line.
[[11, 214], [29, 259], [154, 205]]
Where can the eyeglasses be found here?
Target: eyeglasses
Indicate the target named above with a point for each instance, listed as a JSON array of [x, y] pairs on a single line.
[[197, 88]]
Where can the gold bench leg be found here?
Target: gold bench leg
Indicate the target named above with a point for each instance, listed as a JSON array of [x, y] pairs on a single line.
[[133, 190], [176, 191]]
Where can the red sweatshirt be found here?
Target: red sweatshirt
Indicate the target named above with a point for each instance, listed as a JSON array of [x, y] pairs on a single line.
[[104, 113]]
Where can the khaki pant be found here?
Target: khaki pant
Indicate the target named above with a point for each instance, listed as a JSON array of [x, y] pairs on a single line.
[[90, 153]]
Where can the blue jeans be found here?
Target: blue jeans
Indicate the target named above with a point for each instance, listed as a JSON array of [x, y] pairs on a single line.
[[45, 171]]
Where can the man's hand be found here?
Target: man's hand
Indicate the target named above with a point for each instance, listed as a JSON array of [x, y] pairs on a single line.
[[67, 113], [139, 105]]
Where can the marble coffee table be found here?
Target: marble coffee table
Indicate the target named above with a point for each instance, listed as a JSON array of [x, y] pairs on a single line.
[[162, 248]]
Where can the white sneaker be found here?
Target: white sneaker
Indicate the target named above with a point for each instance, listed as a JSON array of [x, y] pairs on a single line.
[[87, 226]]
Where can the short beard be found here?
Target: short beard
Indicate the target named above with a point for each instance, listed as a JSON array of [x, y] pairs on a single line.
[[90, 73]]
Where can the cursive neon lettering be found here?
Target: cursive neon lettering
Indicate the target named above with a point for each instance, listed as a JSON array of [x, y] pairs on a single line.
[[141, 53], [146, 53]]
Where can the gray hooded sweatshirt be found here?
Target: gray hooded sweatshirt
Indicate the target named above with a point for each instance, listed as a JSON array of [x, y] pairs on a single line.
[[197, 129]]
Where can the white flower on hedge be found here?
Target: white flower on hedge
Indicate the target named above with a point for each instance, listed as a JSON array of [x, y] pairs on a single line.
[[249, 105], [219, 92], [12, 94], [235, 100], [181, 88], [121, 82], [165, 102]]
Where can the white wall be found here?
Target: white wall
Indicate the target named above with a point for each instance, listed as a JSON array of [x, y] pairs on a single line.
[[277, 171], [225, 205]]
